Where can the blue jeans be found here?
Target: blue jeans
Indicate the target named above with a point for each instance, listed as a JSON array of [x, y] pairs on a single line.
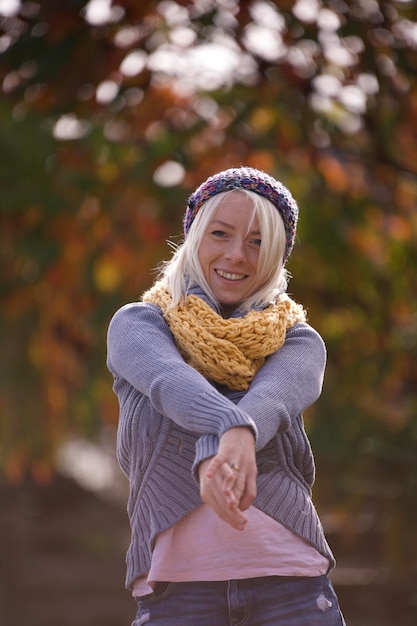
[[268, 601]]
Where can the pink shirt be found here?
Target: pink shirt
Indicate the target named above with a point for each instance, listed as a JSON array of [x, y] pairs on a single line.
[[203, 547]]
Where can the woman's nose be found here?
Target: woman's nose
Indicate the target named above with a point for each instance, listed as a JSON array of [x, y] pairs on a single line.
[[235, 251]]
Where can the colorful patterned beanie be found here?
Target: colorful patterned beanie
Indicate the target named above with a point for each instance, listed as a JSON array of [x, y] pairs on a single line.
[[253, 180]]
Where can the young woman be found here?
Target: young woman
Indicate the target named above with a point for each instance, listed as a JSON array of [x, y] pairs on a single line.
[[213, 370]]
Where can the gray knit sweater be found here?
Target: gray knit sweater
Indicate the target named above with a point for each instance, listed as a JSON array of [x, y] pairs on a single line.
[[171, 419]]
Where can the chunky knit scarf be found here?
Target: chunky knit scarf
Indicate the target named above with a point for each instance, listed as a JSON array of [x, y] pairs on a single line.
[[227, 351]]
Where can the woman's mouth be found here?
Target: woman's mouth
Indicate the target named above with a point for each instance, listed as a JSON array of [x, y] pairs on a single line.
[[230, 275]]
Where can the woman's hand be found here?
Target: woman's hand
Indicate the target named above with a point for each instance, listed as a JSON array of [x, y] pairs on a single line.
[[228, 480]]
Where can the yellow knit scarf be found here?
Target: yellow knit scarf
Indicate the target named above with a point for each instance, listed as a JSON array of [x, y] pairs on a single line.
[[227, 351]]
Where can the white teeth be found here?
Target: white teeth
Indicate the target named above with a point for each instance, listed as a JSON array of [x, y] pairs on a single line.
[[230, 276]]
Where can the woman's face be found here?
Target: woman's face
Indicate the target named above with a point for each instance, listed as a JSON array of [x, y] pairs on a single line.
[[229, 252]]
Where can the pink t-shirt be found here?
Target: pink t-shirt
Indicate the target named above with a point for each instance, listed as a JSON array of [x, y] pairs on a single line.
[[203, 547]]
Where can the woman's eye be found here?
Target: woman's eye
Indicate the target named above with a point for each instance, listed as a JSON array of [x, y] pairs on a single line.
[[218, 233], [256, 242]]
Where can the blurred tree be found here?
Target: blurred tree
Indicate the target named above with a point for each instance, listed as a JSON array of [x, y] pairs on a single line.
[[113, 112]]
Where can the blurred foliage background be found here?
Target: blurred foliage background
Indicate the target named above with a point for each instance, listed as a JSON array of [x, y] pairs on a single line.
[[113, 112]]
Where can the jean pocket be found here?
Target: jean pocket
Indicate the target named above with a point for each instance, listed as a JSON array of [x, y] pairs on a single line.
[[161, 590]]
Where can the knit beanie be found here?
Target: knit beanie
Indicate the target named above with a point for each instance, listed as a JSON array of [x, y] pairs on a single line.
[[253, 180]]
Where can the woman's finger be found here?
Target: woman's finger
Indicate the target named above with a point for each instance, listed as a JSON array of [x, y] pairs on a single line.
[[215, 465], [228, 510]]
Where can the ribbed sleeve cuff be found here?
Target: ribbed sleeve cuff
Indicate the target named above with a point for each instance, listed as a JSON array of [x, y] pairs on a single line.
[[206, 447]]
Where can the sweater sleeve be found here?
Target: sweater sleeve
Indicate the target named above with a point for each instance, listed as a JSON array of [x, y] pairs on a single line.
[[288, 383], [141, 351]]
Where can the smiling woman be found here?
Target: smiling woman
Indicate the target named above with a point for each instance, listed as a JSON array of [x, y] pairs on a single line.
[[213, 370], [232, 236], [229, 252]]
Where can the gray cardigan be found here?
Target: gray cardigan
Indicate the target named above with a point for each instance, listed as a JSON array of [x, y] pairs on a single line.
[[171, 419]]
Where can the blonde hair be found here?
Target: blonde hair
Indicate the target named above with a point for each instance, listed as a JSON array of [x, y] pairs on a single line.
[[183, 270]]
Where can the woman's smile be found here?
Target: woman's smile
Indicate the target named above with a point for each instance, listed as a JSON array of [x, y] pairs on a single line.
[[229, 275]]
